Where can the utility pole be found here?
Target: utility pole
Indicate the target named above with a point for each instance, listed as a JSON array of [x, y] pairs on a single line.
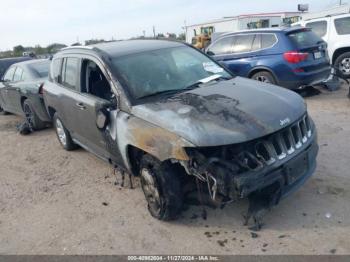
[[154, 31], [340, 2]]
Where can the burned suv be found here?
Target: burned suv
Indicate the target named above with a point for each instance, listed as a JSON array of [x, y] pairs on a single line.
[[166, 112]]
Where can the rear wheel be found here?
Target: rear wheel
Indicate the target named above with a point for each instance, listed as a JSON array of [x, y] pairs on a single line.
[[342, 64], [264, 76], [63, 134], [32, 118], [161, 184]]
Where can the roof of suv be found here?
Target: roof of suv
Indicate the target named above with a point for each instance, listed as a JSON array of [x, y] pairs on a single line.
[[267, 30], [121, 48]]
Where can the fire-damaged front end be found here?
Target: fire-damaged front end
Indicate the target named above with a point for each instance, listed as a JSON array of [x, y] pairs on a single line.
[[285, 158], [262, 148]]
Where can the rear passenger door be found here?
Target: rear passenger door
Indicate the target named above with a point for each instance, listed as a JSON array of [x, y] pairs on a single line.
[[14, 89], [241, 60]]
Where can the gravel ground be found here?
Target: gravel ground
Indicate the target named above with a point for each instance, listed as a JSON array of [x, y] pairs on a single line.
[[58, 202]]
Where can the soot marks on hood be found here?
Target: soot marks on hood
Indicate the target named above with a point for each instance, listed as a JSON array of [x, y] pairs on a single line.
[[216, 105]]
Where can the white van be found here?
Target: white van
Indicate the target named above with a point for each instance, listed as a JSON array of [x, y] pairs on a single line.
[[335, 30]]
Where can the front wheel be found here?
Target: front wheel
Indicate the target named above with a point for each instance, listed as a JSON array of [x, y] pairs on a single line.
[[342, 64], [264, 76], [63, 134], [161, 184]]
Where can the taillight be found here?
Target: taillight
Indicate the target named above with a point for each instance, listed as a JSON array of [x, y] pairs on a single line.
[[295, 57], [41, 89]]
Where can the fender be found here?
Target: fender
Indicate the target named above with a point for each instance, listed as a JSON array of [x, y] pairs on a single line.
[[263, 68]]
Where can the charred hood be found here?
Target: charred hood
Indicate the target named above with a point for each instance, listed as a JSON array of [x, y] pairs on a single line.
[[226, 112]]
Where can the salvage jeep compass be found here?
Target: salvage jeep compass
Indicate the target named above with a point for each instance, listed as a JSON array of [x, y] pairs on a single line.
[[166, 112]]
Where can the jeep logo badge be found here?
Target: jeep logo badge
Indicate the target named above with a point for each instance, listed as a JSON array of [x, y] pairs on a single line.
[[284, 121]]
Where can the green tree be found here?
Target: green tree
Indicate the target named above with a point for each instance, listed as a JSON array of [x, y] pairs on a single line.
[[18, 50]]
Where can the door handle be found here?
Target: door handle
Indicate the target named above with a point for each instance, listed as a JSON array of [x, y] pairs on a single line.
[[81, 106]]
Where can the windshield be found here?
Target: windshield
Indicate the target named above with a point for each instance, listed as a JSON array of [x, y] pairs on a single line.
[[164, 70]]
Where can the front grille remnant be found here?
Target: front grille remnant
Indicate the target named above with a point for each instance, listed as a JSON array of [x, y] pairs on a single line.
[[256, 154], [284, 143]]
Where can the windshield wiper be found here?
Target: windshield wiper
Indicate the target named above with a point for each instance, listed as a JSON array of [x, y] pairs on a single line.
[[190, 87], [165, 92], [206, 80]]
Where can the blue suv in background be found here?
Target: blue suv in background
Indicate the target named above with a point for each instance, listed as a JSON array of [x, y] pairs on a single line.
[[289, 57]]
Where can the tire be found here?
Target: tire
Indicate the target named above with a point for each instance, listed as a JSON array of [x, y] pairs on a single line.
[[342, 65], [63, 134], [264, 76], [32, 118], [161, 184]]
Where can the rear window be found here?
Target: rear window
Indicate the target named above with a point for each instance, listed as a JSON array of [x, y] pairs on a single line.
[[268, 40], [41, 69], [305, 38], [342, 25]]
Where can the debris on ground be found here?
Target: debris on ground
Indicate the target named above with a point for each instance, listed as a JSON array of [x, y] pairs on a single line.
[[254, 235], [333, 251], [328, 215], [24, 128], [105, 203], [222, 242]]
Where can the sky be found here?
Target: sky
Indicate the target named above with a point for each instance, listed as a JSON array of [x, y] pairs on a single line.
[[42, 22]]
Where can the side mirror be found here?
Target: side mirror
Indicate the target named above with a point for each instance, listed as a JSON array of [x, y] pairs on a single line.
[[102, 118]]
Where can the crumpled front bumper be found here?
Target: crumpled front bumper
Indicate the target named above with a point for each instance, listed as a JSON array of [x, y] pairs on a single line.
[[290, 175]]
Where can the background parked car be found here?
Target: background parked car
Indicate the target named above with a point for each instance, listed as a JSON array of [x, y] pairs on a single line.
[[21, 91], [5, 63], [335, 30], [289, 57]]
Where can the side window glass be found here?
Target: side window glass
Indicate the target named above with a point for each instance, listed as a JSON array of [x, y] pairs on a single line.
[[55, 71], [319, 27], [243, 43], [94, 82], [268, 40], [222, 46], [9, 74], [342, 25], [257, 42], [18, 74], [70, 72]]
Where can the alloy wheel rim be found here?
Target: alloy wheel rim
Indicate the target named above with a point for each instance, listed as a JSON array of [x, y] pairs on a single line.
[[262, 79], [60, 132], [149, 187], [344, 66]]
